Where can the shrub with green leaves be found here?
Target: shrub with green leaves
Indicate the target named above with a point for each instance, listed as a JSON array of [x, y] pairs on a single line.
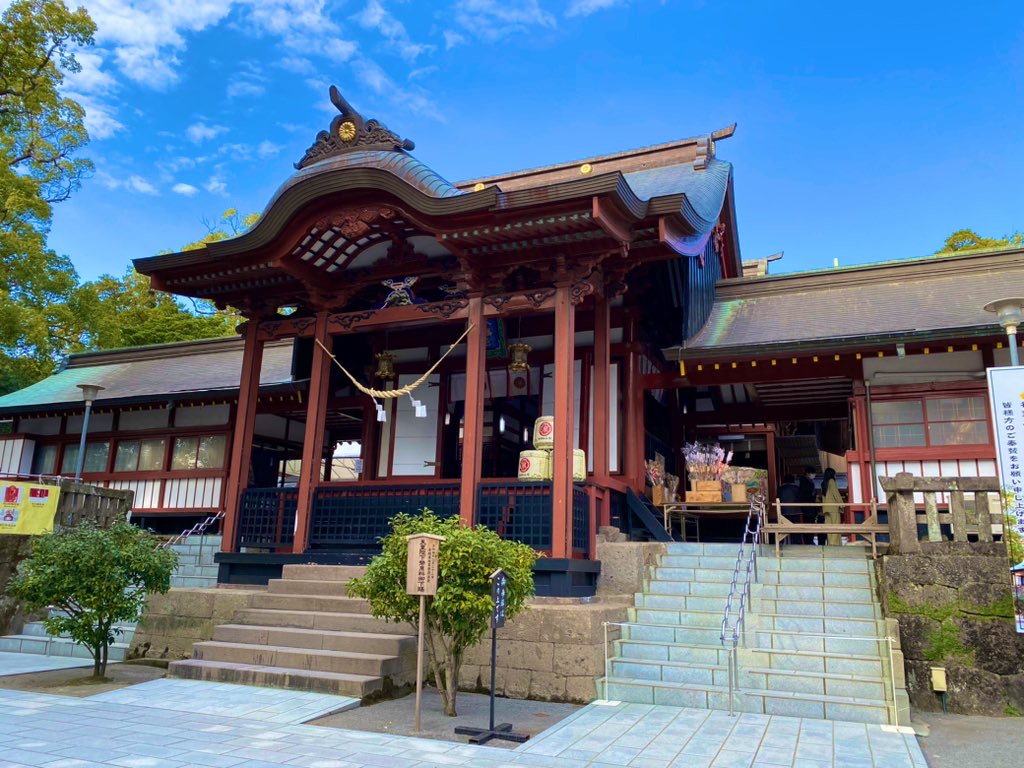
[[458, 616], [97, 577]]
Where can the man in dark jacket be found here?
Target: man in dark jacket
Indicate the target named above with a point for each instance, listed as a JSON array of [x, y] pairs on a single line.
[[789, 493]]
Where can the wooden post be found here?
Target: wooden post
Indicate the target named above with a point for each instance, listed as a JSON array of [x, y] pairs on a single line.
[[473, 427], [313, 438], [602, 391], [561, 469], [241, 439], [633, 426]]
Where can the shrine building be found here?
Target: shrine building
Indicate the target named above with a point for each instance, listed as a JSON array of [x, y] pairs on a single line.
[[606, 292]]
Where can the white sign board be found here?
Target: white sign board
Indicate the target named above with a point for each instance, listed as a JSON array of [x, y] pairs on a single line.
[[1006, 390]]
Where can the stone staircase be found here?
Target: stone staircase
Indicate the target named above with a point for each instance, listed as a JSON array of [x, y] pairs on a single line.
[[304, 632], [34, 639], [196, 568], [814, 644]]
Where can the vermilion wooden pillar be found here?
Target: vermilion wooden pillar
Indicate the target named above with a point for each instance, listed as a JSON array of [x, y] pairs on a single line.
[[473, 424], [241, 439], [561, 459], [313, 438], [602, 392], [633, 428]]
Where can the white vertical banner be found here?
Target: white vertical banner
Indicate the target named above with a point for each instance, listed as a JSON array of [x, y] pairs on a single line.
[[1006, 391]]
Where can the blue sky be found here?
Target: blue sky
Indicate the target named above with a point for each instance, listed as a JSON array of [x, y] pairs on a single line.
[[867, 131]]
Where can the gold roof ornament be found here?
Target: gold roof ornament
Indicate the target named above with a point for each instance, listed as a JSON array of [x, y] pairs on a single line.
[[519, 352]]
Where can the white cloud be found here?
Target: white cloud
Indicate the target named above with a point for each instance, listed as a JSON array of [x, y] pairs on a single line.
[[185, 189], [452, 38], [297, 64], [377, 80], [134, 183], [376, 16], [587, 7], [495, 19], [416, 74], [267, 149], [216, 185], [100, 121], [238, 88], [200, 131]]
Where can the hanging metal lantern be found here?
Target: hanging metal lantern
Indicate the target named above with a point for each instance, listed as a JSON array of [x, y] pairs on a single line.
[[519, 351], [385, 365]]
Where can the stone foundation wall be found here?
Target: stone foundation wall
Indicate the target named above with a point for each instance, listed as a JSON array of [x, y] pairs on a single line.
[[625, 565], [13, 549], [554, 651], [955, 610], [175, 620]]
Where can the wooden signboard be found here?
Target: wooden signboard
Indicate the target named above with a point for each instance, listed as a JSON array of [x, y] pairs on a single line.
[[499, 593], [421, 565]]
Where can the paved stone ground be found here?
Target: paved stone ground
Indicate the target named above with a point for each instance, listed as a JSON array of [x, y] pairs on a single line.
[[266, 705], [23, 663], [963, 741]]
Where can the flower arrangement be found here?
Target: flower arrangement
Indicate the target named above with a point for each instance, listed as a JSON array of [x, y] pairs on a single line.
[[655, 472], [705, 462]]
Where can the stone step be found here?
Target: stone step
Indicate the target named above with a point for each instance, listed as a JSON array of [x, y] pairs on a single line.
[[317, 639], [640, 650], [866, 645], [191, 569], [849, 686], [63, 647], [694, 548], [668, 616], [695, 589], [820, 565], [698, 602], [814, 594], [316, 603], [331, 621], [307, 587], [815, 578], [718, 562], [675, 672], [830, 609], [358, 686], [673, 634], [322, 572], [818, 625], [344, 662], [821, 662], [694, 574], [747, 700]]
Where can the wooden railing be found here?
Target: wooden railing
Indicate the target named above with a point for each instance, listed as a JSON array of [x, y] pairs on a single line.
[[79, 502], [942, 505]]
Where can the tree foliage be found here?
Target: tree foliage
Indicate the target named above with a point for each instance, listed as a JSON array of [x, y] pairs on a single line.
[[969, 240], [97, 577], [458, 616], [40, 131]]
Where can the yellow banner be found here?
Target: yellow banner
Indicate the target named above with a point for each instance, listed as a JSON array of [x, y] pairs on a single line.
[[27, 508]]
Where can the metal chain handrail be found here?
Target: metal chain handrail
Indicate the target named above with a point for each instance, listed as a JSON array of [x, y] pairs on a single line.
[[198, 528]]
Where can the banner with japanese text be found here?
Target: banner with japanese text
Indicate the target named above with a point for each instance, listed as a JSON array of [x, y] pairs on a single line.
[[27, 508], [1006, 390]]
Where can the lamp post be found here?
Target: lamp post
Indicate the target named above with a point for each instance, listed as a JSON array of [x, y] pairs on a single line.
[[89, 392], [1010, 314]]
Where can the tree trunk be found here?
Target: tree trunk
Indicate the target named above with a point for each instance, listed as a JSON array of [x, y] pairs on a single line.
[[452, 684], [96, 654], [106, 655]]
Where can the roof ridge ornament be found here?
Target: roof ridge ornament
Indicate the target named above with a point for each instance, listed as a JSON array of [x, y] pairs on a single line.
[[349, 132]]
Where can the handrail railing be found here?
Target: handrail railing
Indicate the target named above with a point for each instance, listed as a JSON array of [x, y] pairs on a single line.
[[198, 528], [731, 632]]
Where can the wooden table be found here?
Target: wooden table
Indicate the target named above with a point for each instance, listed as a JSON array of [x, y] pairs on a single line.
[[692, 511]]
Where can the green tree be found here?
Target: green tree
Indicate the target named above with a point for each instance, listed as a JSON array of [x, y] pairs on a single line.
[[232, 224], [458, 616], [968, 240], [40, 131], [98, 577]]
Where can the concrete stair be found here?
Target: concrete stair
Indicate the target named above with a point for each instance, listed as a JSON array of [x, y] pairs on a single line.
[[813, 644], [196, 568], [305, 632], [35, 639]]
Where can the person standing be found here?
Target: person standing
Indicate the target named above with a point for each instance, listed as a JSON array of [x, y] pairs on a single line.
[[831, 504], [789, 494]]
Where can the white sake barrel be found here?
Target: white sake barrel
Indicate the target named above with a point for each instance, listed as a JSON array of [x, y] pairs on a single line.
[[534, 465], [579, 465], [544, 432]]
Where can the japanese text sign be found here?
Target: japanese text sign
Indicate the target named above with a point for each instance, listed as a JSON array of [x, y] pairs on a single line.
[[27, 508], [499, 594], [1006, 390], [421, 564]]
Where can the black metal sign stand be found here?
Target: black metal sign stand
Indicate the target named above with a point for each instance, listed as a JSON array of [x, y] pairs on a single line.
[[499, 592]]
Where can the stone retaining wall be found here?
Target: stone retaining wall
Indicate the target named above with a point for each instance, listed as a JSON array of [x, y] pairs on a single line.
[[954, 608], [175, 620]]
